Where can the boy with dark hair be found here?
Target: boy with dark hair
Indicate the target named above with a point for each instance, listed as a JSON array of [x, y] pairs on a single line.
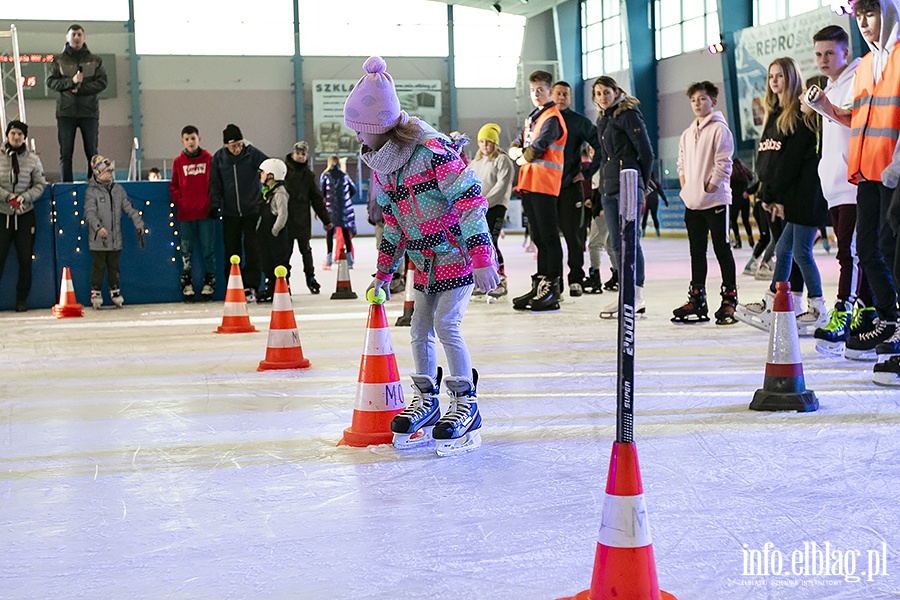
[[539, 152], [189, 188], [704, 170]]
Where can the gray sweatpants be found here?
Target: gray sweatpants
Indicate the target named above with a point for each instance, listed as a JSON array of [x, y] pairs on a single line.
[[440, 313], [599, 239]]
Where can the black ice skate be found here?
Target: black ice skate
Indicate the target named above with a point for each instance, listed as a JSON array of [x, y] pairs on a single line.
[[523, 302], [694, 310], [864, 346], [832, 338], [547, 295], [459, 430], [612, 284], [413, 427], [887, 372], [592, 284], [725, 314], [187, 288]]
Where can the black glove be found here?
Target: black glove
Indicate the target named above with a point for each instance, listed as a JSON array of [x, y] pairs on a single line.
[[213, 213], [140, 238]]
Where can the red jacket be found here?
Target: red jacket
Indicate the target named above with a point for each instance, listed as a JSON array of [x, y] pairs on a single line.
[[190, 185]]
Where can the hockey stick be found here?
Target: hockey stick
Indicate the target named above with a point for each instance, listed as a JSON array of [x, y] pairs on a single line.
[[629, 193]]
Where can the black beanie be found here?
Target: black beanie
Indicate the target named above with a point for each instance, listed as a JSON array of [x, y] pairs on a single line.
[[232, 133], [17, 125]]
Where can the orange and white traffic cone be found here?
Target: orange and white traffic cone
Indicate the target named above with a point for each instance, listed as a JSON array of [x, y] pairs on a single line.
[[235, 318], [409, 305], [624, 567], [283, 350], [68, 306], [784, 387], [343, 291], [379, 395]]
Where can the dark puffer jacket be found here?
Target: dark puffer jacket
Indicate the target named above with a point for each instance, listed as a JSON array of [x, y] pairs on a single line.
[[624, 144], [304, 193], [81, 102], [234, 181]]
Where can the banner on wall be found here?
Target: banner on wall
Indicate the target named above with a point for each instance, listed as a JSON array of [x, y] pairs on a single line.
[[420, 99], [756, 47]]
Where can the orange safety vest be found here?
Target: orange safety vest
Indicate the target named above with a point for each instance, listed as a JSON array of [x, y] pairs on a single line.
[[544, 174], [875, 121]]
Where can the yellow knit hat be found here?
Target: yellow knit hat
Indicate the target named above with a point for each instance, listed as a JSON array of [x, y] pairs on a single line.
[[490, 132]]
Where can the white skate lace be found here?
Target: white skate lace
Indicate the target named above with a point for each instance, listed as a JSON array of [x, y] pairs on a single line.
[[459, 410], [875, 333], [420, 405]]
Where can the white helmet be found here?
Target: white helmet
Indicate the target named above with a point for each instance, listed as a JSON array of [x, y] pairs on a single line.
[[275, 167]]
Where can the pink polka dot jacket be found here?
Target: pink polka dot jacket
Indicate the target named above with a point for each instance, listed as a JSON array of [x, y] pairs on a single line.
[[433, 209]]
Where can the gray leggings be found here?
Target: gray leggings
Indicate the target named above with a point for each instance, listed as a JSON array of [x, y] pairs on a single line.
[[440, 313]]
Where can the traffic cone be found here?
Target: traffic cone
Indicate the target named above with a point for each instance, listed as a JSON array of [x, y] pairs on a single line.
[[235, 318], [379, 395], [784, 387], [624, 567], [408, 303], [68, 306], [343, 291], [283, 350]]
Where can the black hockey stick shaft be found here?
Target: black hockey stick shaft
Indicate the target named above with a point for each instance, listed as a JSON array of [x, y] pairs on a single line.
[[629, 196]]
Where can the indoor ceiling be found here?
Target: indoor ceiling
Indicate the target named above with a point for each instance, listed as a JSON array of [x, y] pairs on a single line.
[[525, 8]]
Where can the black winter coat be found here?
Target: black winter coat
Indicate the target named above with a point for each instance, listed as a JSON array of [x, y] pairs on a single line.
[[787, 167], [83, 102], [234, 181], [624, 144], [303, 192]]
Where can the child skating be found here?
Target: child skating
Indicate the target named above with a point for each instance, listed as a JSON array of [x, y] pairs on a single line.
[[435, 212]]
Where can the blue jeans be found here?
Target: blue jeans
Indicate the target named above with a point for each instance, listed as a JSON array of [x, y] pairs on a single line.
[[611, 212], [796, 243], [202, 235], [441, 313], [65, 132]]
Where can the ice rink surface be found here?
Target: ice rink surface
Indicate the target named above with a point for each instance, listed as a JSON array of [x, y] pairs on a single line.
[[144, 457]]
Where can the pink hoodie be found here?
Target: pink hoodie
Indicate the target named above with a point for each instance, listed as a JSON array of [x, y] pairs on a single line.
[[704, 157]]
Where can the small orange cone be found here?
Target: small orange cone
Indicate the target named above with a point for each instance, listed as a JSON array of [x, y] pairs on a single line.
[[68, 306], [409, 304], [784, 387], [283, 350], [379, 395], [624, 567], [235, 318], [343, 291]]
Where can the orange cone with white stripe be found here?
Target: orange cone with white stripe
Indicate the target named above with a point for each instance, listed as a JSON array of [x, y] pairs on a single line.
[[68, 306], [379, 395], [235, 318], [624, 566], [409, 305], [283, 350], [784, 387], [343, 290]]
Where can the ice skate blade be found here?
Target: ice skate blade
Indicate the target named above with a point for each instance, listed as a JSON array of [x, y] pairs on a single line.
[[835, 349], [752, 320], [689, 321], [411, 441], [861, 355], [886, 379], [460, 445]]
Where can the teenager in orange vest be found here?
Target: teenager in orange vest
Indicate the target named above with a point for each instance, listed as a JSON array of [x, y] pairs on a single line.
[[539, 153]]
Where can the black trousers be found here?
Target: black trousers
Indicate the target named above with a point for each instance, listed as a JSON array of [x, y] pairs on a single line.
[[18, 230], [495, 217], [714, 223], [876, 245], [543, 216], [571, 221], [105, 261], [302, 236], [239, 235]]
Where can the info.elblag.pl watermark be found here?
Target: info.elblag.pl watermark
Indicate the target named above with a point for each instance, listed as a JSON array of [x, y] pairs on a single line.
[[812, 564]]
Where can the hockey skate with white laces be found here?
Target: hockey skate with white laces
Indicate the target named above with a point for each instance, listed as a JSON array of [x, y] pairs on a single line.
[[831, 339], [815, 316], [887, 371], [864, 346], [459, 430], [757, 314], [413, 427]]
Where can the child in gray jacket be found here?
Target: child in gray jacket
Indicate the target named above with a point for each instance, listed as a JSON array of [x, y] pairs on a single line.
[[104, 202]]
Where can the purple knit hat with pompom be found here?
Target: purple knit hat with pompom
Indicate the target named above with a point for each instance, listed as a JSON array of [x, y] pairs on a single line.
[[373, 106]]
